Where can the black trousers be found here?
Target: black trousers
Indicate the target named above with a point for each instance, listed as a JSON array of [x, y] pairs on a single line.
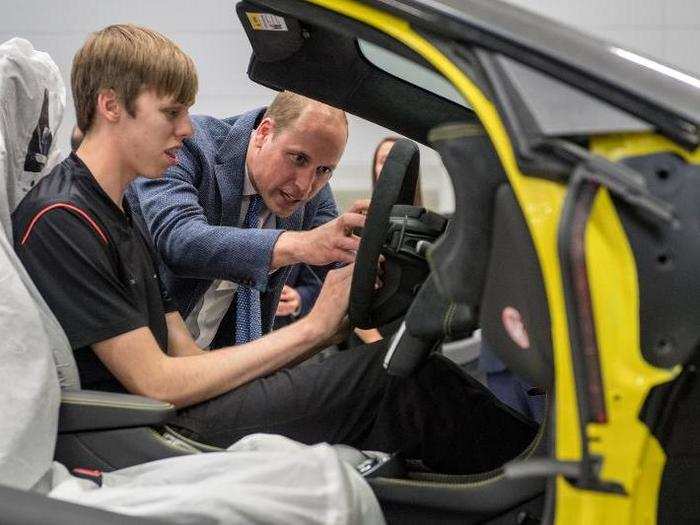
[[440, 415]]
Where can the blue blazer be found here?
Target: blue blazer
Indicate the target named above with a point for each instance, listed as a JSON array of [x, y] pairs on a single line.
[[192, 212]]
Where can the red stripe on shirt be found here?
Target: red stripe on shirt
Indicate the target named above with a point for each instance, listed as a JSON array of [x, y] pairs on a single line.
[[69, 207]]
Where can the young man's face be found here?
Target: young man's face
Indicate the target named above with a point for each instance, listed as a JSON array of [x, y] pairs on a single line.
[[151, 138], [289, 167]]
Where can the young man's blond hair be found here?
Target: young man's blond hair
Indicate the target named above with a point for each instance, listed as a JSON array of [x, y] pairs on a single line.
[[129, 58]]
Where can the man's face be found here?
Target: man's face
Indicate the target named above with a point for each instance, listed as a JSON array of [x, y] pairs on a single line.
[[151, 138], [289, 167]]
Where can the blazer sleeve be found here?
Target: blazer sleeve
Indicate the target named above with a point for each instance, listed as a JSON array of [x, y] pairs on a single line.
[[326, 209], [189, 244]]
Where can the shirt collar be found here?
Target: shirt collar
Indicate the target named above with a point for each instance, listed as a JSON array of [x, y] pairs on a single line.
[[248, 188], [124, 214]]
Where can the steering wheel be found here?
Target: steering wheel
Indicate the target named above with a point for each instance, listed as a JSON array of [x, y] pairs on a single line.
[[395, 190]]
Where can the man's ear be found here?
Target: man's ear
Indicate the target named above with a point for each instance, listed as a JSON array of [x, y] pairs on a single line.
[[265, 130], [108, 107]]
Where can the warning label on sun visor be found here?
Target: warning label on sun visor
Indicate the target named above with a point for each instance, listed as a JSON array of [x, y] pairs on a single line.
[[266, 22]]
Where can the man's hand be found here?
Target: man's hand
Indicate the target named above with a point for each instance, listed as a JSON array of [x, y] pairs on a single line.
[[325, 244], [328, 314], [290, 302]]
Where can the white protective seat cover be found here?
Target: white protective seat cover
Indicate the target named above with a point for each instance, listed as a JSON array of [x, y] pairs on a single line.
[[30, 84], [261, 479]]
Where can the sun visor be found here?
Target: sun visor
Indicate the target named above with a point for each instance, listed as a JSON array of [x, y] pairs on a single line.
[[460, 258], [274, 36]]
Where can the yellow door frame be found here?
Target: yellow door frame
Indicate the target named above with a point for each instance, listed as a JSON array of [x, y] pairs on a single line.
[[631, 454]]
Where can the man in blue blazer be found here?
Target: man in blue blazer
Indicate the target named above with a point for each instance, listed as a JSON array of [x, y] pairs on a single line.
[[196, 213]]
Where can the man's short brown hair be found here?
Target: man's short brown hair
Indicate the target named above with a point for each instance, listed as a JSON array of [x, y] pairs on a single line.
[[128, 58], [287, 107]]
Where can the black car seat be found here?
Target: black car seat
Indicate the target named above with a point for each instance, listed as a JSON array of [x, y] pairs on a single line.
[[491, 496], [514, 279], [485, 261]]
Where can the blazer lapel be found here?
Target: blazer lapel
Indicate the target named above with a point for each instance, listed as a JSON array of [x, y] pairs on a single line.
[[229, 167]]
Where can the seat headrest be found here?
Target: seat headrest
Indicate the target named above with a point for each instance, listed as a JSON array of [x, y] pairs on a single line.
[[459, 258], [514, 279], [32, 98]]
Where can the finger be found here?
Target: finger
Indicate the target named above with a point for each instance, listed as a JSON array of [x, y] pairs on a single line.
[[378, 283], [352, 220], [282, 310], [360, 206], [343, 256], [348, 244]]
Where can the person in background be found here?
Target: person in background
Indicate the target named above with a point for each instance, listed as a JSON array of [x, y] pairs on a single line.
[[380, 154], [298, 295]]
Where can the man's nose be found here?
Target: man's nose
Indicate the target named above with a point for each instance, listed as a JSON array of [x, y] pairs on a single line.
[[305, 181], [185, 129]]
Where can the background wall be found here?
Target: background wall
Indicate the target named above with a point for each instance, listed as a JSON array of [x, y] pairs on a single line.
[[210, 32]]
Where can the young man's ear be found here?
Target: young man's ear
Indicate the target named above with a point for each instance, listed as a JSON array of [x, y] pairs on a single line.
[[265, 130], [108, 105]]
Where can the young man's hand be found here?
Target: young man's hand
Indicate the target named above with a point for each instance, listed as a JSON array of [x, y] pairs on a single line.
[[325, 244], [328, 314]]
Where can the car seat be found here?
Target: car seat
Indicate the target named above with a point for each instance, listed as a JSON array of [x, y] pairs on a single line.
[[486, 260]]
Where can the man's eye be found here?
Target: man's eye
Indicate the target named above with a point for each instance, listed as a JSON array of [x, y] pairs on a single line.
[[298, 159]]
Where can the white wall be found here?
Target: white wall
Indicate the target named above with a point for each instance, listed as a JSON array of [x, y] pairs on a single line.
[[209, 31]]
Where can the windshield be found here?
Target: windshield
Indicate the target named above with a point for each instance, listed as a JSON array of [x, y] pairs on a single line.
[[409, 71]]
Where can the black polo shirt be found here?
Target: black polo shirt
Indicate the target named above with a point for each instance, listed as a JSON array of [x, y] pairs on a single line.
[[91, 263]]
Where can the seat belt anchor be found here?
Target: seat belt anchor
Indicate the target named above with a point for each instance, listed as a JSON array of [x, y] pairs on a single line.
[[90, 474]]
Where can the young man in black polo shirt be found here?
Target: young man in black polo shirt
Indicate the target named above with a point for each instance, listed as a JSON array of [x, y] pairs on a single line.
[[76, 237], [132, 89]]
